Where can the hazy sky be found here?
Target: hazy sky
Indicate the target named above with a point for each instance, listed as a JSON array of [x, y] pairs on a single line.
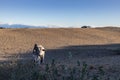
[[61, 12]]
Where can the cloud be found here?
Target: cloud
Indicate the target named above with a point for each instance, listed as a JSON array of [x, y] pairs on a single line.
[[10, 23], [1, 23]]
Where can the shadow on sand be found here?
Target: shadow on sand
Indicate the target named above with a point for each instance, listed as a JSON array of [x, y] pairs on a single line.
[[78, 52], [68, 55], [83, 52]]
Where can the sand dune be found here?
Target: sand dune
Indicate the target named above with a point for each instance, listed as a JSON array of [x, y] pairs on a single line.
[[22, 40]]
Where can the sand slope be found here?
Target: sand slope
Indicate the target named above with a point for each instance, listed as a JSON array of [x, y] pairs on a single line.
[[21, 40]]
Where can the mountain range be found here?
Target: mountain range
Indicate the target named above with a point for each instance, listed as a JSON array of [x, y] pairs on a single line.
[[20, 26], [6, 25]]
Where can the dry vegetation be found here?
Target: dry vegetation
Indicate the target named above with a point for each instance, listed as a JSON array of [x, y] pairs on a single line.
[[96, 46], [17, 40]]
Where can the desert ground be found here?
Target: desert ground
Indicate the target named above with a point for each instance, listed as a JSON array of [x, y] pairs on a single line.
[[93, 45]]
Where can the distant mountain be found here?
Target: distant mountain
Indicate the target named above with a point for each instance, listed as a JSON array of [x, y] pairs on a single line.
[[2, 25], [20, 26]]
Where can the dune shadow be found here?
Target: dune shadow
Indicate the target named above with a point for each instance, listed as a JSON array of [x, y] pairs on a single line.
[[92, 54], [67, 53], [83, 52], [16, 57]]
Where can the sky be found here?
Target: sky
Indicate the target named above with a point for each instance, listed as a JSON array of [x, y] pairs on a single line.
[[72, 13]]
